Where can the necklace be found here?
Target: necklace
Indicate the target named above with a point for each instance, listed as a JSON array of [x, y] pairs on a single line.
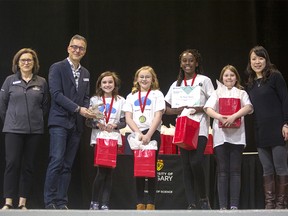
[[259, 82]]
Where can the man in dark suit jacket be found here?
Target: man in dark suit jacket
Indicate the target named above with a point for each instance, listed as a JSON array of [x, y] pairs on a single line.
[[69, 89]]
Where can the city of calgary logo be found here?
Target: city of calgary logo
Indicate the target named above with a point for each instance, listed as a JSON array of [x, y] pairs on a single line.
[[160, 165]]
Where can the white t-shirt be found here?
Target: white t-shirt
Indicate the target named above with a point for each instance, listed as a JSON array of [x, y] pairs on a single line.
[[232, 135], [155, 102], [206, 90], [116, 113]]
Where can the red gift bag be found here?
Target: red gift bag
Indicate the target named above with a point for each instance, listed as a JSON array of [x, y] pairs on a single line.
[[229, 106], [144, 163], [186, 133], [209, 146], [166, 145], [105, 152], [120, 149]]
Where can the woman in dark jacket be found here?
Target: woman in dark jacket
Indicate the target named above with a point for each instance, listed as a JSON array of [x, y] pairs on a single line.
[[24, 101], [268, 93]]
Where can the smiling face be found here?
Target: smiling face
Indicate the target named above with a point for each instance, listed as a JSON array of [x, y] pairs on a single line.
[[188, 63], [258, 64], [229, 79], [76, 50], [26, 63], [144, 80], [107, 85]]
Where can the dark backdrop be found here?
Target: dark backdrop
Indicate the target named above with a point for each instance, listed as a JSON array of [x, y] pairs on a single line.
[[125, 35]]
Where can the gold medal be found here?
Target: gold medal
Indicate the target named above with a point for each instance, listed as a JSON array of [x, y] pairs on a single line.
[[142, 119]]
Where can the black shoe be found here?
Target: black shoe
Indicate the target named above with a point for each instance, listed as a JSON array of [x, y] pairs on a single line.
[[104, 207], [191, 206], [50, 206], [204, 204]]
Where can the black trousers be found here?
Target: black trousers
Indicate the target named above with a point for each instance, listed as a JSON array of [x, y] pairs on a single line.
[[193, 171], [20, 152], [102, 185]]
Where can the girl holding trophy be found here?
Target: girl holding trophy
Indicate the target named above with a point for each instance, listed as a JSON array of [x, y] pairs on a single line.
[[108, 102]]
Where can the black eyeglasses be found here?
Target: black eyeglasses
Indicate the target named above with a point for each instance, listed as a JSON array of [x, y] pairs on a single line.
[[75, 47]]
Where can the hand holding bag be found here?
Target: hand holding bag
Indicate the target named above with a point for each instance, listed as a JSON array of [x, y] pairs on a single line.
[[229, 106], [144, 156], [186, 133], [229, 103]]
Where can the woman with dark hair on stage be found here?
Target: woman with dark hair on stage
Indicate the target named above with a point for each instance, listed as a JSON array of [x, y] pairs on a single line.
[[268, 93]]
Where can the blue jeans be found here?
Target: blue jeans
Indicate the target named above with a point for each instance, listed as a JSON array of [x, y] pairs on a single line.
[[64, 145], [229, 159]]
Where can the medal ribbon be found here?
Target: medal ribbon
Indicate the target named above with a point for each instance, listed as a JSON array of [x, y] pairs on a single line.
[[142, 107], [193, 79], [107, 115]]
